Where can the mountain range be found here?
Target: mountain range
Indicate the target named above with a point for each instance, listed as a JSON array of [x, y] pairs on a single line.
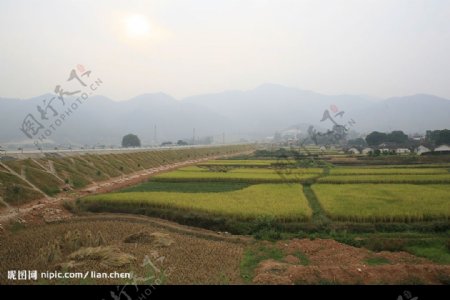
[[233, 115]]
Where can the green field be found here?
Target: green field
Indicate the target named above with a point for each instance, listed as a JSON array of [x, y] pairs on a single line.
[[253, 170], [283, 202], [387, 178], [384, 203], [388, 171], [186, 187], [239, 162], [235, 175]]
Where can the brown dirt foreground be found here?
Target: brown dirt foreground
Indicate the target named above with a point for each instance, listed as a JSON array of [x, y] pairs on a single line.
[[121, 243], [188, 255], [330, 262]]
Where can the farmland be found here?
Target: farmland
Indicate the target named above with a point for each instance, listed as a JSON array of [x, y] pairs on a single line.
[[395, 208], [239, 207], [278, 201], [384, 203], [387, 178], [333, 196], [238, 175]]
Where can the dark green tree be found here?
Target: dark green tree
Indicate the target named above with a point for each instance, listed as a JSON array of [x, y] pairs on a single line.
[[398, 137], [131, 140], [438, 137], [182, 143], [375, 138]]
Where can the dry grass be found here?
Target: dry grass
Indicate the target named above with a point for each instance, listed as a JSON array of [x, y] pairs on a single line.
[[190, 259], [107, 255]]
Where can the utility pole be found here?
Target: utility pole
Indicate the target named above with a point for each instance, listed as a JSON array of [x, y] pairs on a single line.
[[193, 136], [223, 138]]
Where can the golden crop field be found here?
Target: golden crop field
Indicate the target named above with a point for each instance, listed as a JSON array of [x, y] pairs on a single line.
[[387, 178], [238, 162], [256, 170], [385, 171], [384, 203], [280, 201], [238, 175]]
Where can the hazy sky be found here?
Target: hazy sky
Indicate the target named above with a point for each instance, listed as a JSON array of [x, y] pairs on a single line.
[[185, 47]]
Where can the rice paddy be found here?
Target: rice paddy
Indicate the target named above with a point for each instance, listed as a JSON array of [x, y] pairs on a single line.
[[239, 175], [387, 178], [343, 194], [279, 201], [384, 203]]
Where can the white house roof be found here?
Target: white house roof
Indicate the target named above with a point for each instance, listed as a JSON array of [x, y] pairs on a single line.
[[443, 148]]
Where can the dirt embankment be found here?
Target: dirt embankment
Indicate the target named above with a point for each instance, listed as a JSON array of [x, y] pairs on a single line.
[[329, 262]]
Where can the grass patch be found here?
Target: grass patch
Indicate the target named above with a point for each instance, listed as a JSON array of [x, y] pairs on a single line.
[[376, 261], [304, 260], [254, 255], [434, 251]]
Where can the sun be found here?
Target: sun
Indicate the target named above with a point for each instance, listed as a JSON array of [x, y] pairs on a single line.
[[137, 26]]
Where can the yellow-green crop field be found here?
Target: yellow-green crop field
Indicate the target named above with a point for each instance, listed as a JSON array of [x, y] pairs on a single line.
[[395, 194], [256, 170], [384, 203], [237, 175], [281, 201], [387, 178], [384, 171], [239, 162]]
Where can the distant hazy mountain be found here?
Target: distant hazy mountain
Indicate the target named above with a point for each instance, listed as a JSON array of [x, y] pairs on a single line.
[[103, 121], [239, 114], [270, 107], [415, 113]]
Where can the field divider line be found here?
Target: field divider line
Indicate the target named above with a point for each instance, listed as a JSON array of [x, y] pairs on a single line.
[[318, 216]]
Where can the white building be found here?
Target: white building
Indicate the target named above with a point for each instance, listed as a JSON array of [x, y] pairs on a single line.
[[402, 150], [422, 149], [442, 148], [367, 150], [353, 151]]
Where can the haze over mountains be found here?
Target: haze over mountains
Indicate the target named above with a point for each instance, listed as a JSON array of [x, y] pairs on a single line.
[[252, 114]]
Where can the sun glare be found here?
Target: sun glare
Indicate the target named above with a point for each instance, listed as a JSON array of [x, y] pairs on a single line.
[[137, 26]]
